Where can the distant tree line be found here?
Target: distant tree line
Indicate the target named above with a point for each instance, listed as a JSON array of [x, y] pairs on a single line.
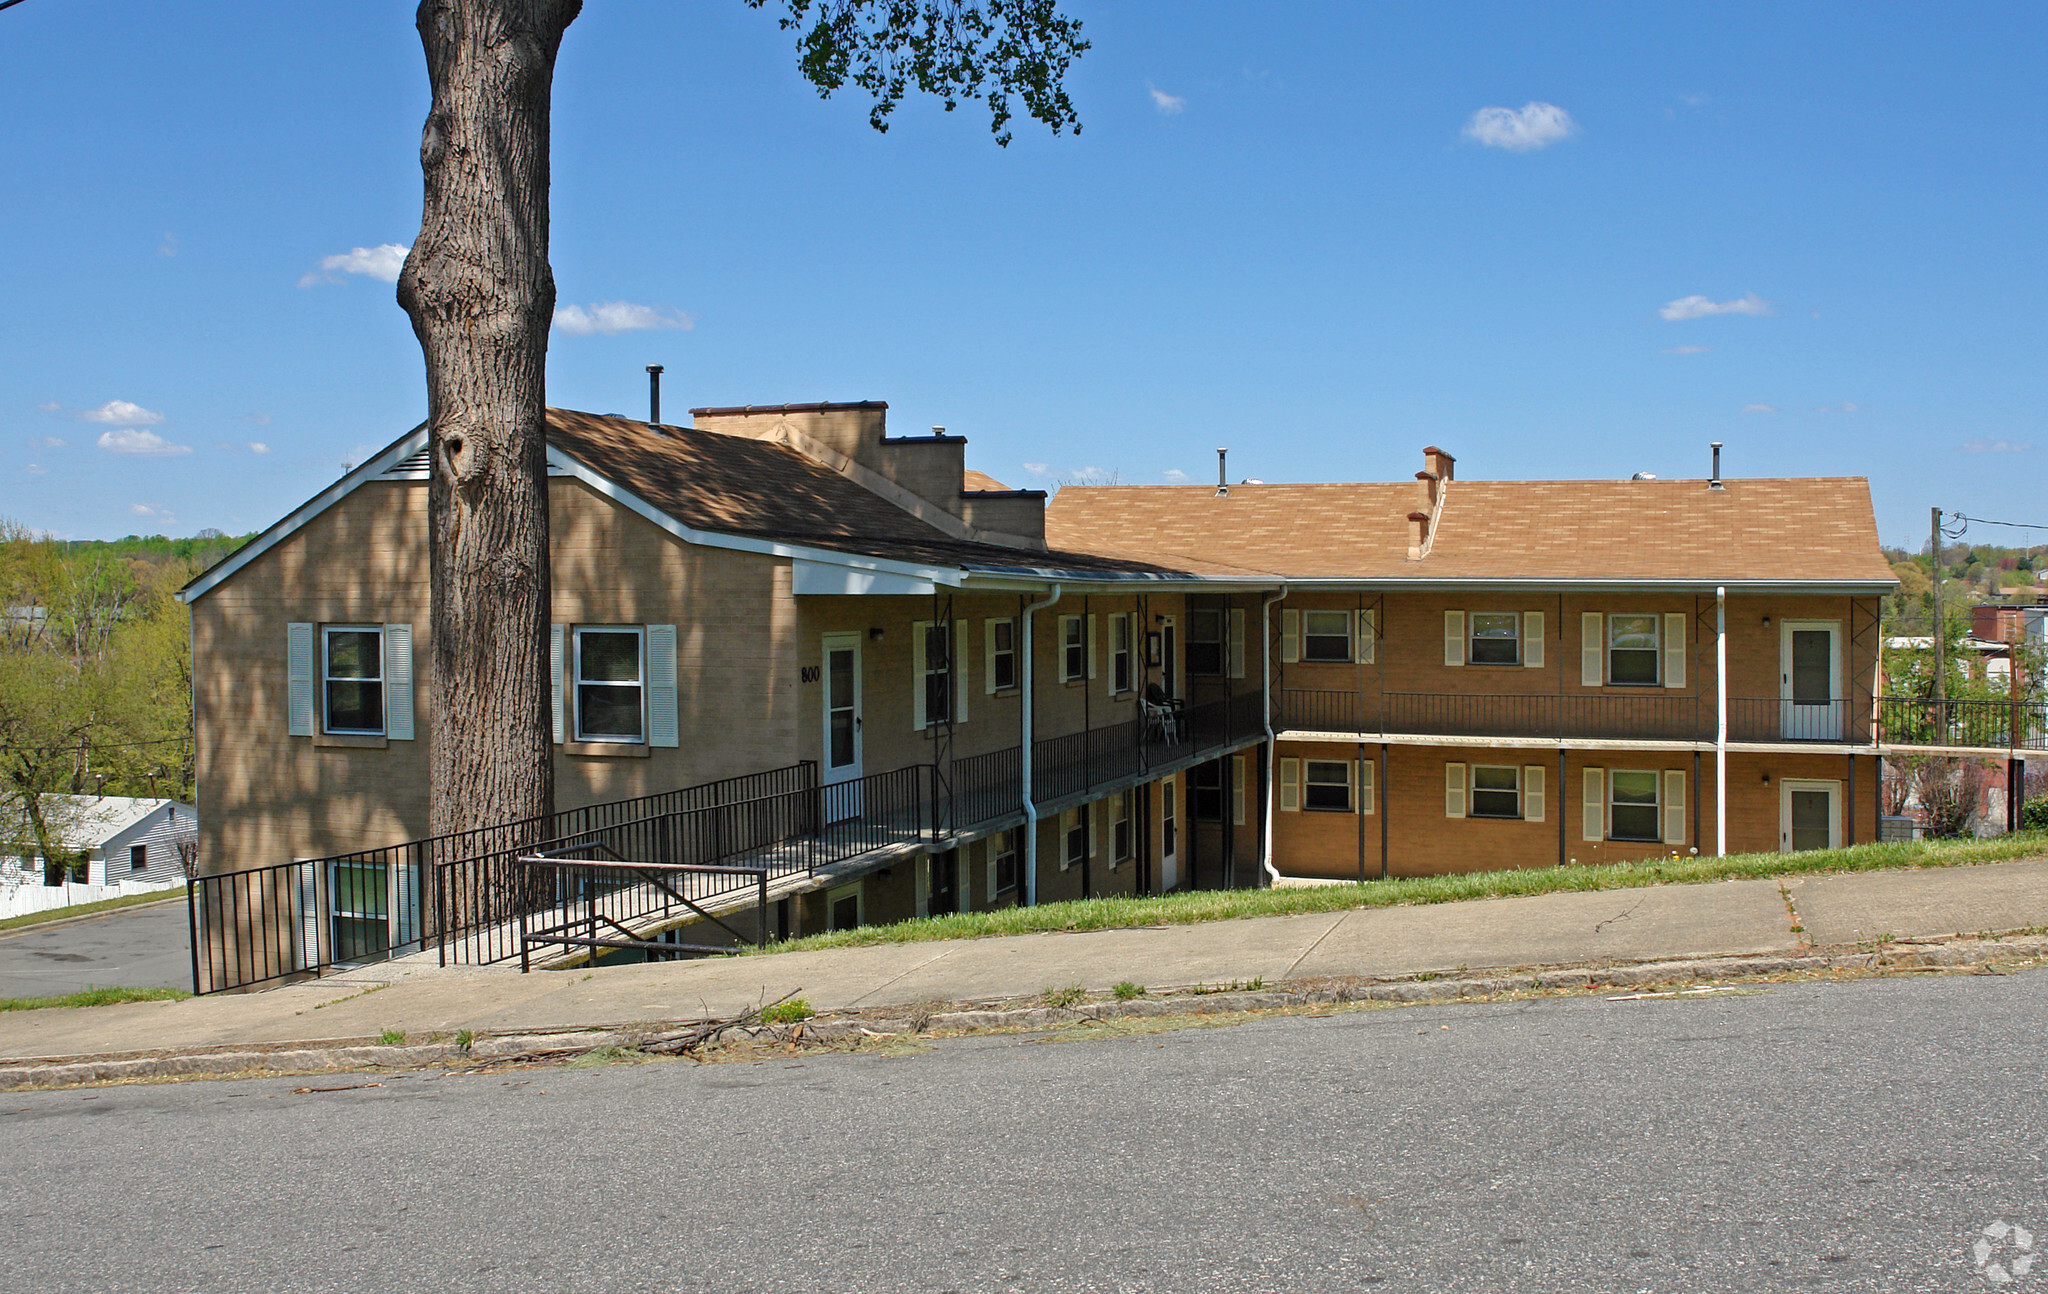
[[95, 677]]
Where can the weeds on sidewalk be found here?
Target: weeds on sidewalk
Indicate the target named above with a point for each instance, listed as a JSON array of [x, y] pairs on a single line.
[[1192, 907], [95, 997]]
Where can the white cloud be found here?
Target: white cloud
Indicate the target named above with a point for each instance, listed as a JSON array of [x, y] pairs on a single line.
[[52, 442], [612, 317], [155, 514], [1685, 350], [381, 262], [1759, 408], [259, 417], [1993, 445], [169, 246], [49, 406], [1699, 307], [1038, 469], [1168, 104], [1520, 130], [1175, 475], [123, 413], [35, 469], [258, 447], [127, 440]]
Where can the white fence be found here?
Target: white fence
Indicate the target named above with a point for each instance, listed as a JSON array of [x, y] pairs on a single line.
[[18, 900]]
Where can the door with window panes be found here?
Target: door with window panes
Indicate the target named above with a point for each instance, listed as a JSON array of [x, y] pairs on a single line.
[[842, 717]]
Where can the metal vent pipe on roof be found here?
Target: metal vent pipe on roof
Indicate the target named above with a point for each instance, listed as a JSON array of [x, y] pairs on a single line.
[[654, 394], [1715, 483], [1222, 476]]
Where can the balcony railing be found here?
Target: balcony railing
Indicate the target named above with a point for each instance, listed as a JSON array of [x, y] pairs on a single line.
[[1072, 764], [1646, 716], [1965, 723]]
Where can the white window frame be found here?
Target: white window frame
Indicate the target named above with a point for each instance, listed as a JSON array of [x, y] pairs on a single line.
[[327, 633], [1656, 805], [1072, 821], [1073, 649], [1656, 649], [996, 655], [1123, 673], [1474, 790], [1308, 781], [1308, 615], [1121, 837], [577, 682], [1473, 638], [1003, 845], [834, 897]]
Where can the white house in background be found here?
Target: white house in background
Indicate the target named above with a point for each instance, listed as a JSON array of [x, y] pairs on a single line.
[[127, 840]]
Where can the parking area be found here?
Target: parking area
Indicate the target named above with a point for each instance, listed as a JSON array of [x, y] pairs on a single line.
[[141, 947]]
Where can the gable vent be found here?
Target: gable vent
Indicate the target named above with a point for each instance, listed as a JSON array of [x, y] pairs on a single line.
[[413, 467]]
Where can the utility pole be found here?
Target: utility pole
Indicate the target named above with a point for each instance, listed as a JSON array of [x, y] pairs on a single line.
[[1940, 643]]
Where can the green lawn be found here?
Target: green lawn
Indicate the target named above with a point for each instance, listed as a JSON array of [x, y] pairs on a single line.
[[1223, 905], [95, 997], [87, 909]]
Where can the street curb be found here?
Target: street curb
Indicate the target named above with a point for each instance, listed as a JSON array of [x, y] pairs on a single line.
[[345, 1054]]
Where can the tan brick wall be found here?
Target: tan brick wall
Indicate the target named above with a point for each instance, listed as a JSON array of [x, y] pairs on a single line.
[[266, 797], [1423, 841]]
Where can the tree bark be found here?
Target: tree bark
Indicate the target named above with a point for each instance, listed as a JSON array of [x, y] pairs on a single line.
[[481, 297]]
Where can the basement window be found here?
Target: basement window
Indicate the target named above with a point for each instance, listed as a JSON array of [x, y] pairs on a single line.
[[1326, 785], [1632, 807], [1496, 791]]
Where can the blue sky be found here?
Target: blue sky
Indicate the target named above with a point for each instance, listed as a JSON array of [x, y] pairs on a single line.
[[1296, 231]]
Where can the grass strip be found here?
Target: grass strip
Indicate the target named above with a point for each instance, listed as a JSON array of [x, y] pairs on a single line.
[[95, 997], [1191, 907], [87, 909]]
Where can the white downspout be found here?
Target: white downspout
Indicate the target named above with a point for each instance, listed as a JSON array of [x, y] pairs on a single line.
[[1024, 755], [1272, 742], [1721, 722]]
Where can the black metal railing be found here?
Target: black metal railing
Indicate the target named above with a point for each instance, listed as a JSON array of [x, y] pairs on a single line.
[[463, 896], [1969, 722], [262, 924], [587, 898], [1647, 716]]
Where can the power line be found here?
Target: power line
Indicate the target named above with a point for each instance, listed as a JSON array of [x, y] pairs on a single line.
[[1966, 522]]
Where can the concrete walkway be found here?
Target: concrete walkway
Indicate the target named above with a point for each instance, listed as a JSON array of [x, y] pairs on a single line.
[[1651, 924]]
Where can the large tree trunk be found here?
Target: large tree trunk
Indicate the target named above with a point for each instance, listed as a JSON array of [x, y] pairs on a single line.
[[481, 297]]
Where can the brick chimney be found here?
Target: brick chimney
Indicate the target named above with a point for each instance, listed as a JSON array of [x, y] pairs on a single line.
[[1418, 534], [1426, 486], [1437, 463]]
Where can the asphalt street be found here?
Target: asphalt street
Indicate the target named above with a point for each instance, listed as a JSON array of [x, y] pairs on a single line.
[[1844, 1136], [141, 947]]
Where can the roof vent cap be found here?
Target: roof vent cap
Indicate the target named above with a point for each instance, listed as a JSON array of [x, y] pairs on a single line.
[[1644, 476]]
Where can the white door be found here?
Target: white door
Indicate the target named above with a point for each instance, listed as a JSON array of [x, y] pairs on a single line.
[[841, 676], [1810, 680], [1809, 815], [1169, 831]]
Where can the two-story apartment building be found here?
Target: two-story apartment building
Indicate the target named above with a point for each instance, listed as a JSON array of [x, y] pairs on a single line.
[[1476, 674], [784, 588], [786, 640]]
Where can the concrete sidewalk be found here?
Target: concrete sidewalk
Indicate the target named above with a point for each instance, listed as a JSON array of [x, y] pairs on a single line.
[[1658, 923]]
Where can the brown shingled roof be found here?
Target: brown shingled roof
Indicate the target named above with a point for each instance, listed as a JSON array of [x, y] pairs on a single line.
[[736, 485], [1794, 530], [982, 481]]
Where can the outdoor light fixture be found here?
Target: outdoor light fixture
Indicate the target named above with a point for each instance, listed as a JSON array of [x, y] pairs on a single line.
[[875, 633], [1767, 622]]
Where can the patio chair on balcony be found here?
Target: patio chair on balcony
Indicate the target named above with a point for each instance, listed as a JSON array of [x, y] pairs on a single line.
[[1164, 718]]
